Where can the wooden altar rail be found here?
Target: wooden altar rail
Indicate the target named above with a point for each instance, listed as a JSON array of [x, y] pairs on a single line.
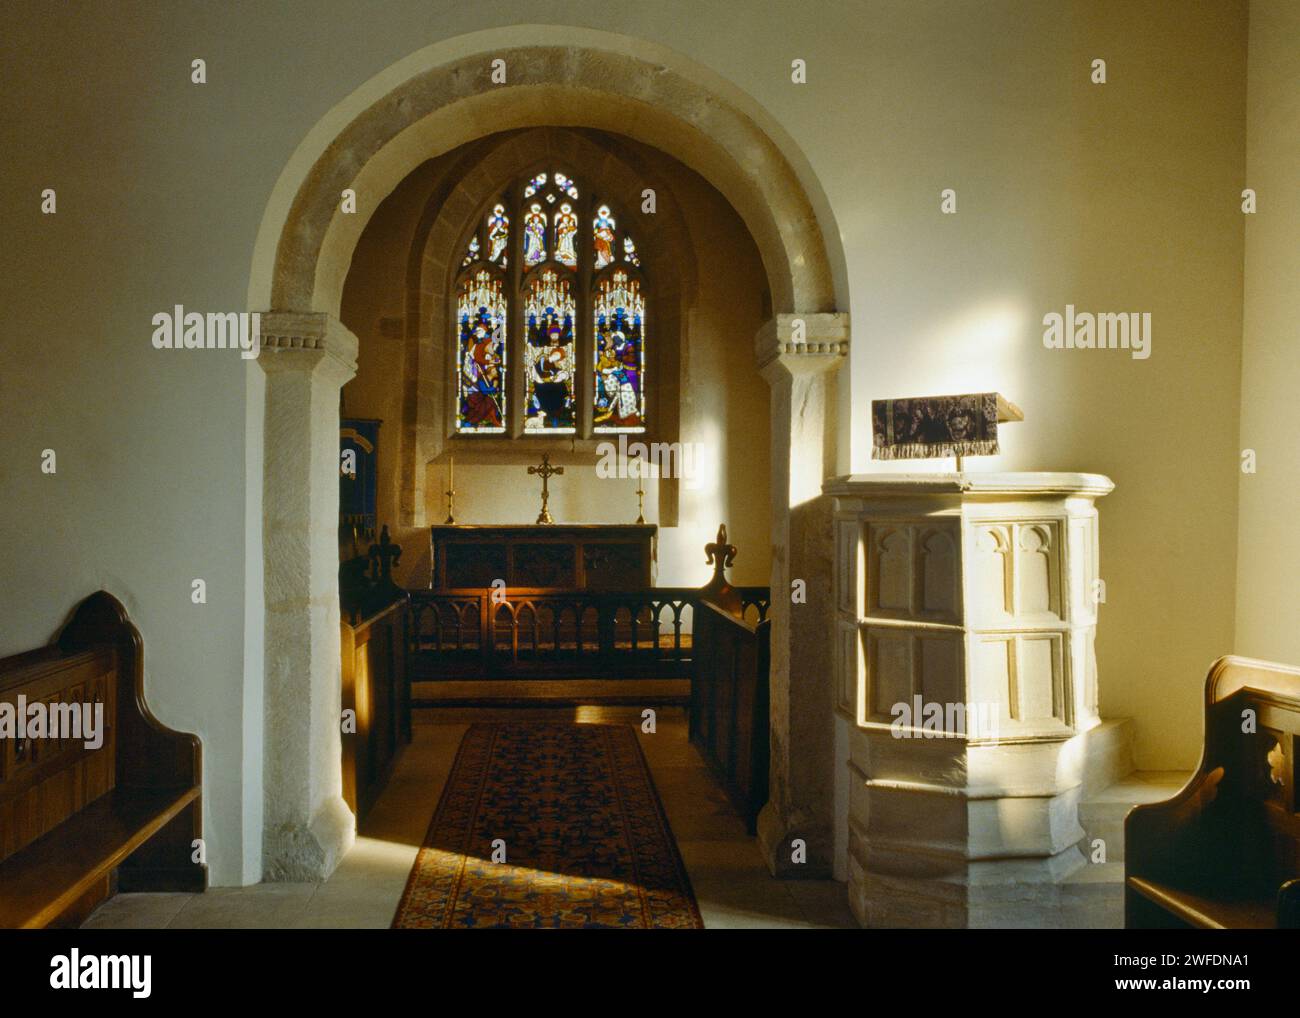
[[729, 703], [473, 633]]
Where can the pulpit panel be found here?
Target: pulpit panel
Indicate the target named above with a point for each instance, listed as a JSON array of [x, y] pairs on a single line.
[[939, 595], [889, 570], [848, 665], [1038, 570], [913, 572], [939, 675], [889, 676]]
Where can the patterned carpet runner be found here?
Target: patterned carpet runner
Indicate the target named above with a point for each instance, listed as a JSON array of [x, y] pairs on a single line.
[[549, 826]]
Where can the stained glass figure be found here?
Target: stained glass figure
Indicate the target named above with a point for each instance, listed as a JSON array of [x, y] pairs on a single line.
[[535, 185], [472, 255], [498, 232], [566, 235], [535, 236], [481, 313], [629, 251], [603, 235], [549, 312], [566, 185], [619, 383]]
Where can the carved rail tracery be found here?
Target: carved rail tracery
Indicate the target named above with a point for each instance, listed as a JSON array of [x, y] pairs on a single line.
[[482, 633]]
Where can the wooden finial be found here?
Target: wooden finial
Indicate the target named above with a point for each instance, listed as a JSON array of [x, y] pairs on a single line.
[[720, 554], [384, 556]]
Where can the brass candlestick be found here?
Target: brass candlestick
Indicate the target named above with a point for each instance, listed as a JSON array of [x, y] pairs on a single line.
[[640, 500], [545, 472], [451, 492]]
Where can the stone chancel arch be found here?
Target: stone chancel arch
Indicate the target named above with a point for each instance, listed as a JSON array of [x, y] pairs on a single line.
[[444, 96], [434, 101]]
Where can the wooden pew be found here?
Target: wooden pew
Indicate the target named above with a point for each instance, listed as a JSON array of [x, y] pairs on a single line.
[[78, 824], [375, 645], [1224, 853], [729, 708], [377, 688]]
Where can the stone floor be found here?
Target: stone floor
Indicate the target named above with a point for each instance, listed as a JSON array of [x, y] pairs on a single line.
[[731, 883]]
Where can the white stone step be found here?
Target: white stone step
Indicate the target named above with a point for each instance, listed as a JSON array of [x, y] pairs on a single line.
[[1109, 754], [1092, 897], [1101, 813]]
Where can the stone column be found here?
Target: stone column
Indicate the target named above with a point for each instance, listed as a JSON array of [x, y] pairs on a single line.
[[307, 358], [798, 355]]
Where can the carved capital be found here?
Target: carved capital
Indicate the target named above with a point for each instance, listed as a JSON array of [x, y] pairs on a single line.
[[802, 344], [306, 341]]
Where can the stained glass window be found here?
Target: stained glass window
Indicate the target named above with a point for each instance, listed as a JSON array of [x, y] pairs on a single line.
[[559, 278], [566, 185], [602, 229], [535, 185], [498, 234], [566, 236], [549, 359], [481, 313], [618, 310], [534, 235]]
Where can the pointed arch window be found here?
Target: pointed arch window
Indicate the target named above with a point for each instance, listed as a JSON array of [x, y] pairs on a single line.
[[550, 403], [481, 319], [539, 291], [619, 384]]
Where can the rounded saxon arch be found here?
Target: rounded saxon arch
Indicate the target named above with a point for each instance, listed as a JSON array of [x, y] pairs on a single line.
[[432, 102], [442, 96]]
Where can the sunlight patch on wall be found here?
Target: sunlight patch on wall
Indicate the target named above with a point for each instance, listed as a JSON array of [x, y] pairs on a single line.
[[985, 347]]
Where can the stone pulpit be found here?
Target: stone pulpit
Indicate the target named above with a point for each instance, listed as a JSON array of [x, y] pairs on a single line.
[[966, 609]]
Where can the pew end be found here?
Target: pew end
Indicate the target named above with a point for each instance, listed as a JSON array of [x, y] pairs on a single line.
[[1224, 853], [78, 824], [728, 719]]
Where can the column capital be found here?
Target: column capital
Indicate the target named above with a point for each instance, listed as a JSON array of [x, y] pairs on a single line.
[[304, 340], [802, 344]]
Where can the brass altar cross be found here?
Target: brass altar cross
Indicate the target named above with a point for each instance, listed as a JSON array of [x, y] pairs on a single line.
[[545, 471]]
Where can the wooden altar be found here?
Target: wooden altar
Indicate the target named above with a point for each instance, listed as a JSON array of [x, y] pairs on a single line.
[[475, 631], [565, 557]]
